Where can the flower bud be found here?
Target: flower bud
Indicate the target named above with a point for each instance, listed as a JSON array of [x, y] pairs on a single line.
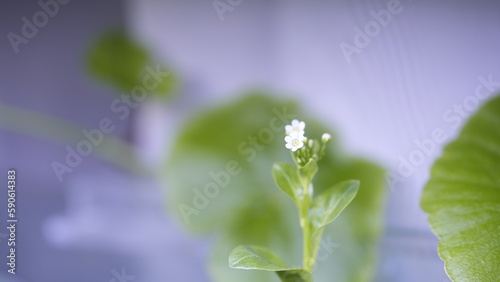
[[326, 137]]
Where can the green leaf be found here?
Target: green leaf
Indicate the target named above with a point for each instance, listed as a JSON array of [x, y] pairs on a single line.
[[307, 173], [462, 199], [356, 231], [255, 257], [327, 206], [118, 59], [260, 258], [287, 179]]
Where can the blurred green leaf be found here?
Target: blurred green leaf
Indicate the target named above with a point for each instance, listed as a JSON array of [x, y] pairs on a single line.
[[116, 58], [260, 258], [462, 199], [287, 179], [249, 210]]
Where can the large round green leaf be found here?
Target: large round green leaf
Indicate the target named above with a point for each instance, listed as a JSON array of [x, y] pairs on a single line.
[[462, 199], [220, 181]]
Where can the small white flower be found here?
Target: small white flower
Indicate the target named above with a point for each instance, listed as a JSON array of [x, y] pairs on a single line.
[[326, 137], [294, 141], [296, 127]]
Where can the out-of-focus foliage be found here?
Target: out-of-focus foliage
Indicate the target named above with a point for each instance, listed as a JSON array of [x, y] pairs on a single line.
[[462, 199], [220, 182], [117, 59]]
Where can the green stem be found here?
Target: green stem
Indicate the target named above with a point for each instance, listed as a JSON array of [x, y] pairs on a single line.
[[304, 205], [306, 230], [306, 236]]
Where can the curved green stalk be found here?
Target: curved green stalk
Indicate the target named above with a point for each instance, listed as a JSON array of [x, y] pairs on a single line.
[[111, 149], [308, 262]]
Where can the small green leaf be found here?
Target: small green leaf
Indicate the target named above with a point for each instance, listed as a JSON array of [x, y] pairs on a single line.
[[462, 199], [327, 206], [255, 257], [260, 258], [287, 179], [307, 173]]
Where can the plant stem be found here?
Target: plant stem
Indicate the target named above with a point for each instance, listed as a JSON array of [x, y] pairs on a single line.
[[304, 204], [306, 246], [306, 230]]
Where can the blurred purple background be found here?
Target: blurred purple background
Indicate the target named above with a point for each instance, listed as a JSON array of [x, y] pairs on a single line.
[[415, 75]]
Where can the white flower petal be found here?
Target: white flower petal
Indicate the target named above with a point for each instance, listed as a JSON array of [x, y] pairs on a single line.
[[301, 144], [296, 134], [302, 125]]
